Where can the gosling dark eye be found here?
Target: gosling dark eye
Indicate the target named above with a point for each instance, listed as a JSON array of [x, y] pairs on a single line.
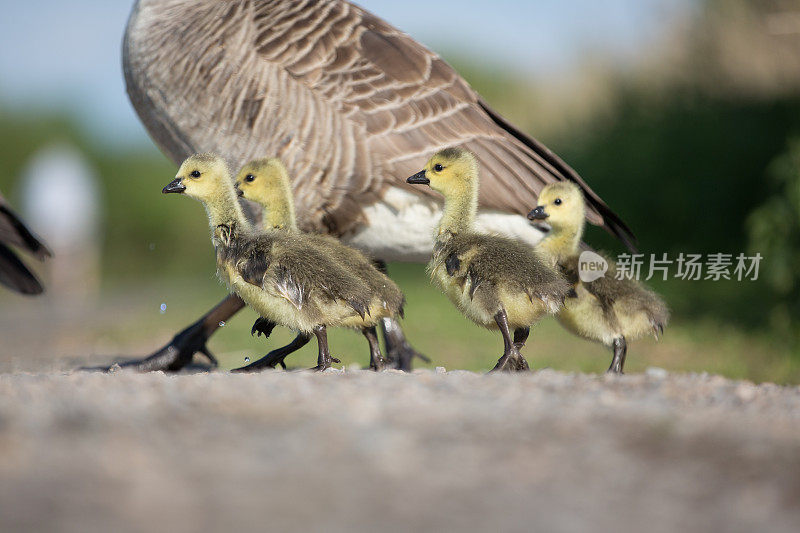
[[437, 167], [195, 174], [557, 201], [249, 178]]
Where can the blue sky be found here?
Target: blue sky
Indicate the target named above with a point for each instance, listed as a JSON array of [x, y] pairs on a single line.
[[61, 54]]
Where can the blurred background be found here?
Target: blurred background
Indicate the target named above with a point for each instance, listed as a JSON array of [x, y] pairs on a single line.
[[683, 115]]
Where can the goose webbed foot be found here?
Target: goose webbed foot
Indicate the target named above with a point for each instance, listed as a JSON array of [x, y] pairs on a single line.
[[262, 326], [173, 356], [179, 352], [618, 361], [399, 353]]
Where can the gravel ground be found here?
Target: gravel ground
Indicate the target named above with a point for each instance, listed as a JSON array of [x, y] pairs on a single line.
[[344, 451]]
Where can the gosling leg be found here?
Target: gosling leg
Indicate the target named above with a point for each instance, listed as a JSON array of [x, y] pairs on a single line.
[[178, 352], [376, 361], [399, 352], [276, 357], [324, 359], [521, 337], [620, 350], [512, 360]]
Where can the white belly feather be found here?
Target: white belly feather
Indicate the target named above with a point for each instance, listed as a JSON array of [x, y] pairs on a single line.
[[401, 227]]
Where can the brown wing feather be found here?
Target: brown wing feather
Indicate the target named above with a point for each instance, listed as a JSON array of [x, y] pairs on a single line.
[[13, 272], [15, 275], [349, 102], [13, 231]]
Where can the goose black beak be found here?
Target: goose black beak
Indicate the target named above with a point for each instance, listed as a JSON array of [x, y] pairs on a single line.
[[239, 192], [175, 185], [419, 179], [537, 213]]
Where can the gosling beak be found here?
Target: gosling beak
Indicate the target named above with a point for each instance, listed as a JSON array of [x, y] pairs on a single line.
[[239, 192], [419, 179], [537, 213], [175, 185]]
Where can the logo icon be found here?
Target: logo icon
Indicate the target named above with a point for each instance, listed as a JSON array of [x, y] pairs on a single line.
[[591, 266]]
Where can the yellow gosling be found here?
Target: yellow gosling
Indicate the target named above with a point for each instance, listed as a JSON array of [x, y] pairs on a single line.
[[494, 281], [607, 310], [266, 182], [279, 275]]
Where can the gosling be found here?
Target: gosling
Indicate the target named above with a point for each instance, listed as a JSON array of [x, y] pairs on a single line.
[[282, 277], [494, 281], [607, 310], [266, 182]]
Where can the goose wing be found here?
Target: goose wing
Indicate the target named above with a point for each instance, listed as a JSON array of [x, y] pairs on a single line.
[[351, 104], [14, 232], [15, 275], [13, 272]]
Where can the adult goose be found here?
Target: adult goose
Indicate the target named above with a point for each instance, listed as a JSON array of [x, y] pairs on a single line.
[[351, 105], [13, 272]]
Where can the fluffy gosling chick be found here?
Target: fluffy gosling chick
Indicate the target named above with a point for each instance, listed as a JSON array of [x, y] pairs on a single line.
[[266, 182], [606, 310], [494, 281], [282, 277]]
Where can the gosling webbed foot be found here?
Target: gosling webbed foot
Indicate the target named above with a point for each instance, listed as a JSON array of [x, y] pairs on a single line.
[[271, 360], [620, 348], [377, 365], [324, 359], [325, 365], [521, 337], [376, 359], [511, 362], [262, 326], [276, 357]]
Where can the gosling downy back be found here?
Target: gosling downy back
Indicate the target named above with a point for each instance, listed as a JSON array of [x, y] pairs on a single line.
[[560, 214], [266, 182]]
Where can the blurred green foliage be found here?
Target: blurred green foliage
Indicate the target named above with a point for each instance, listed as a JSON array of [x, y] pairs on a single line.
[[145, 235], [774, 230]]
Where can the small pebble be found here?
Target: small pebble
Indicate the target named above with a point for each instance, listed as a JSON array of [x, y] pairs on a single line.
[[656, 372], [441, 370], [746, 392]]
